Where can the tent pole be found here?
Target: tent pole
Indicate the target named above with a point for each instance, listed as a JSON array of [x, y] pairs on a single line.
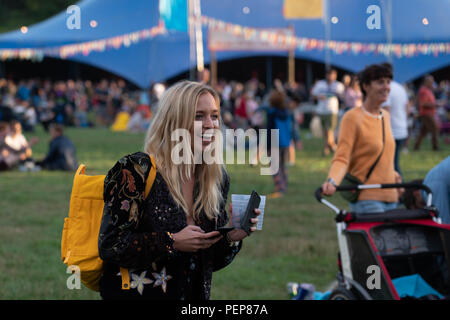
[[191, 41], [199, 36], [269, 73], [309, 76], [213, 68], [291, 61], [291, 67], [327, 34], [388, 21]]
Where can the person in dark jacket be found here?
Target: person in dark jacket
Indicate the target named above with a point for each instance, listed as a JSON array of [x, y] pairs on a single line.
[[61, 153], [169, 241], [279, 118]]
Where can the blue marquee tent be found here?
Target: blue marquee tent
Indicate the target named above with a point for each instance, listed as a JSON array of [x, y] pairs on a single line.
[[162, 56]]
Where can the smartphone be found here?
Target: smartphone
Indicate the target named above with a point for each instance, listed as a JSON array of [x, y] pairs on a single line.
[[224, 230], [253, 203]]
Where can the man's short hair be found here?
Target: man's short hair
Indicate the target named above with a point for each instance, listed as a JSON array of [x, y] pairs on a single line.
[[409, 198], [428, 77], [58, 128]]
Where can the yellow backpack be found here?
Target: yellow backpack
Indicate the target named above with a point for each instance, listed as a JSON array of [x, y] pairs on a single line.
[[79, 243]]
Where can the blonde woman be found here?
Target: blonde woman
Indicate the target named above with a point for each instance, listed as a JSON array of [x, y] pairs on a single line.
[[167, 241]]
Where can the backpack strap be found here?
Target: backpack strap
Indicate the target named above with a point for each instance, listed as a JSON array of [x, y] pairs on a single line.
[[125, 278], [148, 186], [151, 178]]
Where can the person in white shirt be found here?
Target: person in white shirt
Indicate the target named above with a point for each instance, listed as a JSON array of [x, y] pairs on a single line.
[[17, 146], [16, 140], [328, 92], [397, 105]]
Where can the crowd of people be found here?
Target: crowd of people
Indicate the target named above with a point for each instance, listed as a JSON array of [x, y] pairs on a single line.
[[26, 104], [415, 112], [69, 103]]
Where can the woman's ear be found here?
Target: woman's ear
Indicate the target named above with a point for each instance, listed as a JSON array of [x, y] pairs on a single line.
[[364, 87]]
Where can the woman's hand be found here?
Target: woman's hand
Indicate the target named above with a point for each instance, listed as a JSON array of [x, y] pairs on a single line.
[[239, 234], [328, 188], [398, 179], [193, 238]]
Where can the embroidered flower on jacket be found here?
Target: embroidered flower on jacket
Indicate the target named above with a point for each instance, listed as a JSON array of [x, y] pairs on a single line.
[[144, 166], [140, 171], [139, 282], [134, 212], [110, 202], [161, 279], [125, 205], [128, 177]]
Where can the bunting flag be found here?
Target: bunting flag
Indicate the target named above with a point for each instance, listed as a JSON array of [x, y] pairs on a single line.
[[36, 55], [84, 48], [276, 39], [174, 13], [101, 45], [237, 39], [302, 9]]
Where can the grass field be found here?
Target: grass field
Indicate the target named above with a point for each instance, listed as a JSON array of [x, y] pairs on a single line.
[[298, 241]]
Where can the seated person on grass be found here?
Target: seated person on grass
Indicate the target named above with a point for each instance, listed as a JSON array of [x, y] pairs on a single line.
[[61, 153]]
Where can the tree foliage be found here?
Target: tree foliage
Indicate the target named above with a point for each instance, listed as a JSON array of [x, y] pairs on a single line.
[[17, 13]]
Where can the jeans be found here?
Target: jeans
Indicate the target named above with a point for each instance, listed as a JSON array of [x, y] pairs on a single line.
[[398, 148], [372, 206]]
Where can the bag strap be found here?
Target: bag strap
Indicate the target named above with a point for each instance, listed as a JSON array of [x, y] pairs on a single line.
[[148, 186], [379, 156], [151, 178], [125, 278]]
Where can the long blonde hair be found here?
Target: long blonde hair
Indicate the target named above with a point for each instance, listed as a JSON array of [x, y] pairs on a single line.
[[176, 110]]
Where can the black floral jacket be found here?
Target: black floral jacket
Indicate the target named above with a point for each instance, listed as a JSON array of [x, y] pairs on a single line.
[[136, 233]]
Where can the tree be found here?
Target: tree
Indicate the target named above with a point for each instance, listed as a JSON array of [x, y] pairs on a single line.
[[17, 13]]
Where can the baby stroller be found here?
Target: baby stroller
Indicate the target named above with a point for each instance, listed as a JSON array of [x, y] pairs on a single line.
[[397, 244]]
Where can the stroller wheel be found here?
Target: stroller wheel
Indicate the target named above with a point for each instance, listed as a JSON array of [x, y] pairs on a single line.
[[341, 293]]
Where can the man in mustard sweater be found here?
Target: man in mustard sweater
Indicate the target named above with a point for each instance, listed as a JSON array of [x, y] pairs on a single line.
[[361, 143]]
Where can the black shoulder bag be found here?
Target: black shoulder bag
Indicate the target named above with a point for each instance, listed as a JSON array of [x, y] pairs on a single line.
[[351, 180]]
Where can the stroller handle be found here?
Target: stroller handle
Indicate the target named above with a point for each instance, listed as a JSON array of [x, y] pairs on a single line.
[[318, 192]]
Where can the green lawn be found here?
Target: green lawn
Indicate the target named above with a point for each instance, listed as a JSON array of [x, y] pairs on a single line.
[[298, 241]]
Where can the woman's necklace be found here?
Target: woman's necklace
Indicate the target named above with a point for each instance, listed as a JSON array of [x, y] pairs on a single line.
[[377, 116]]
